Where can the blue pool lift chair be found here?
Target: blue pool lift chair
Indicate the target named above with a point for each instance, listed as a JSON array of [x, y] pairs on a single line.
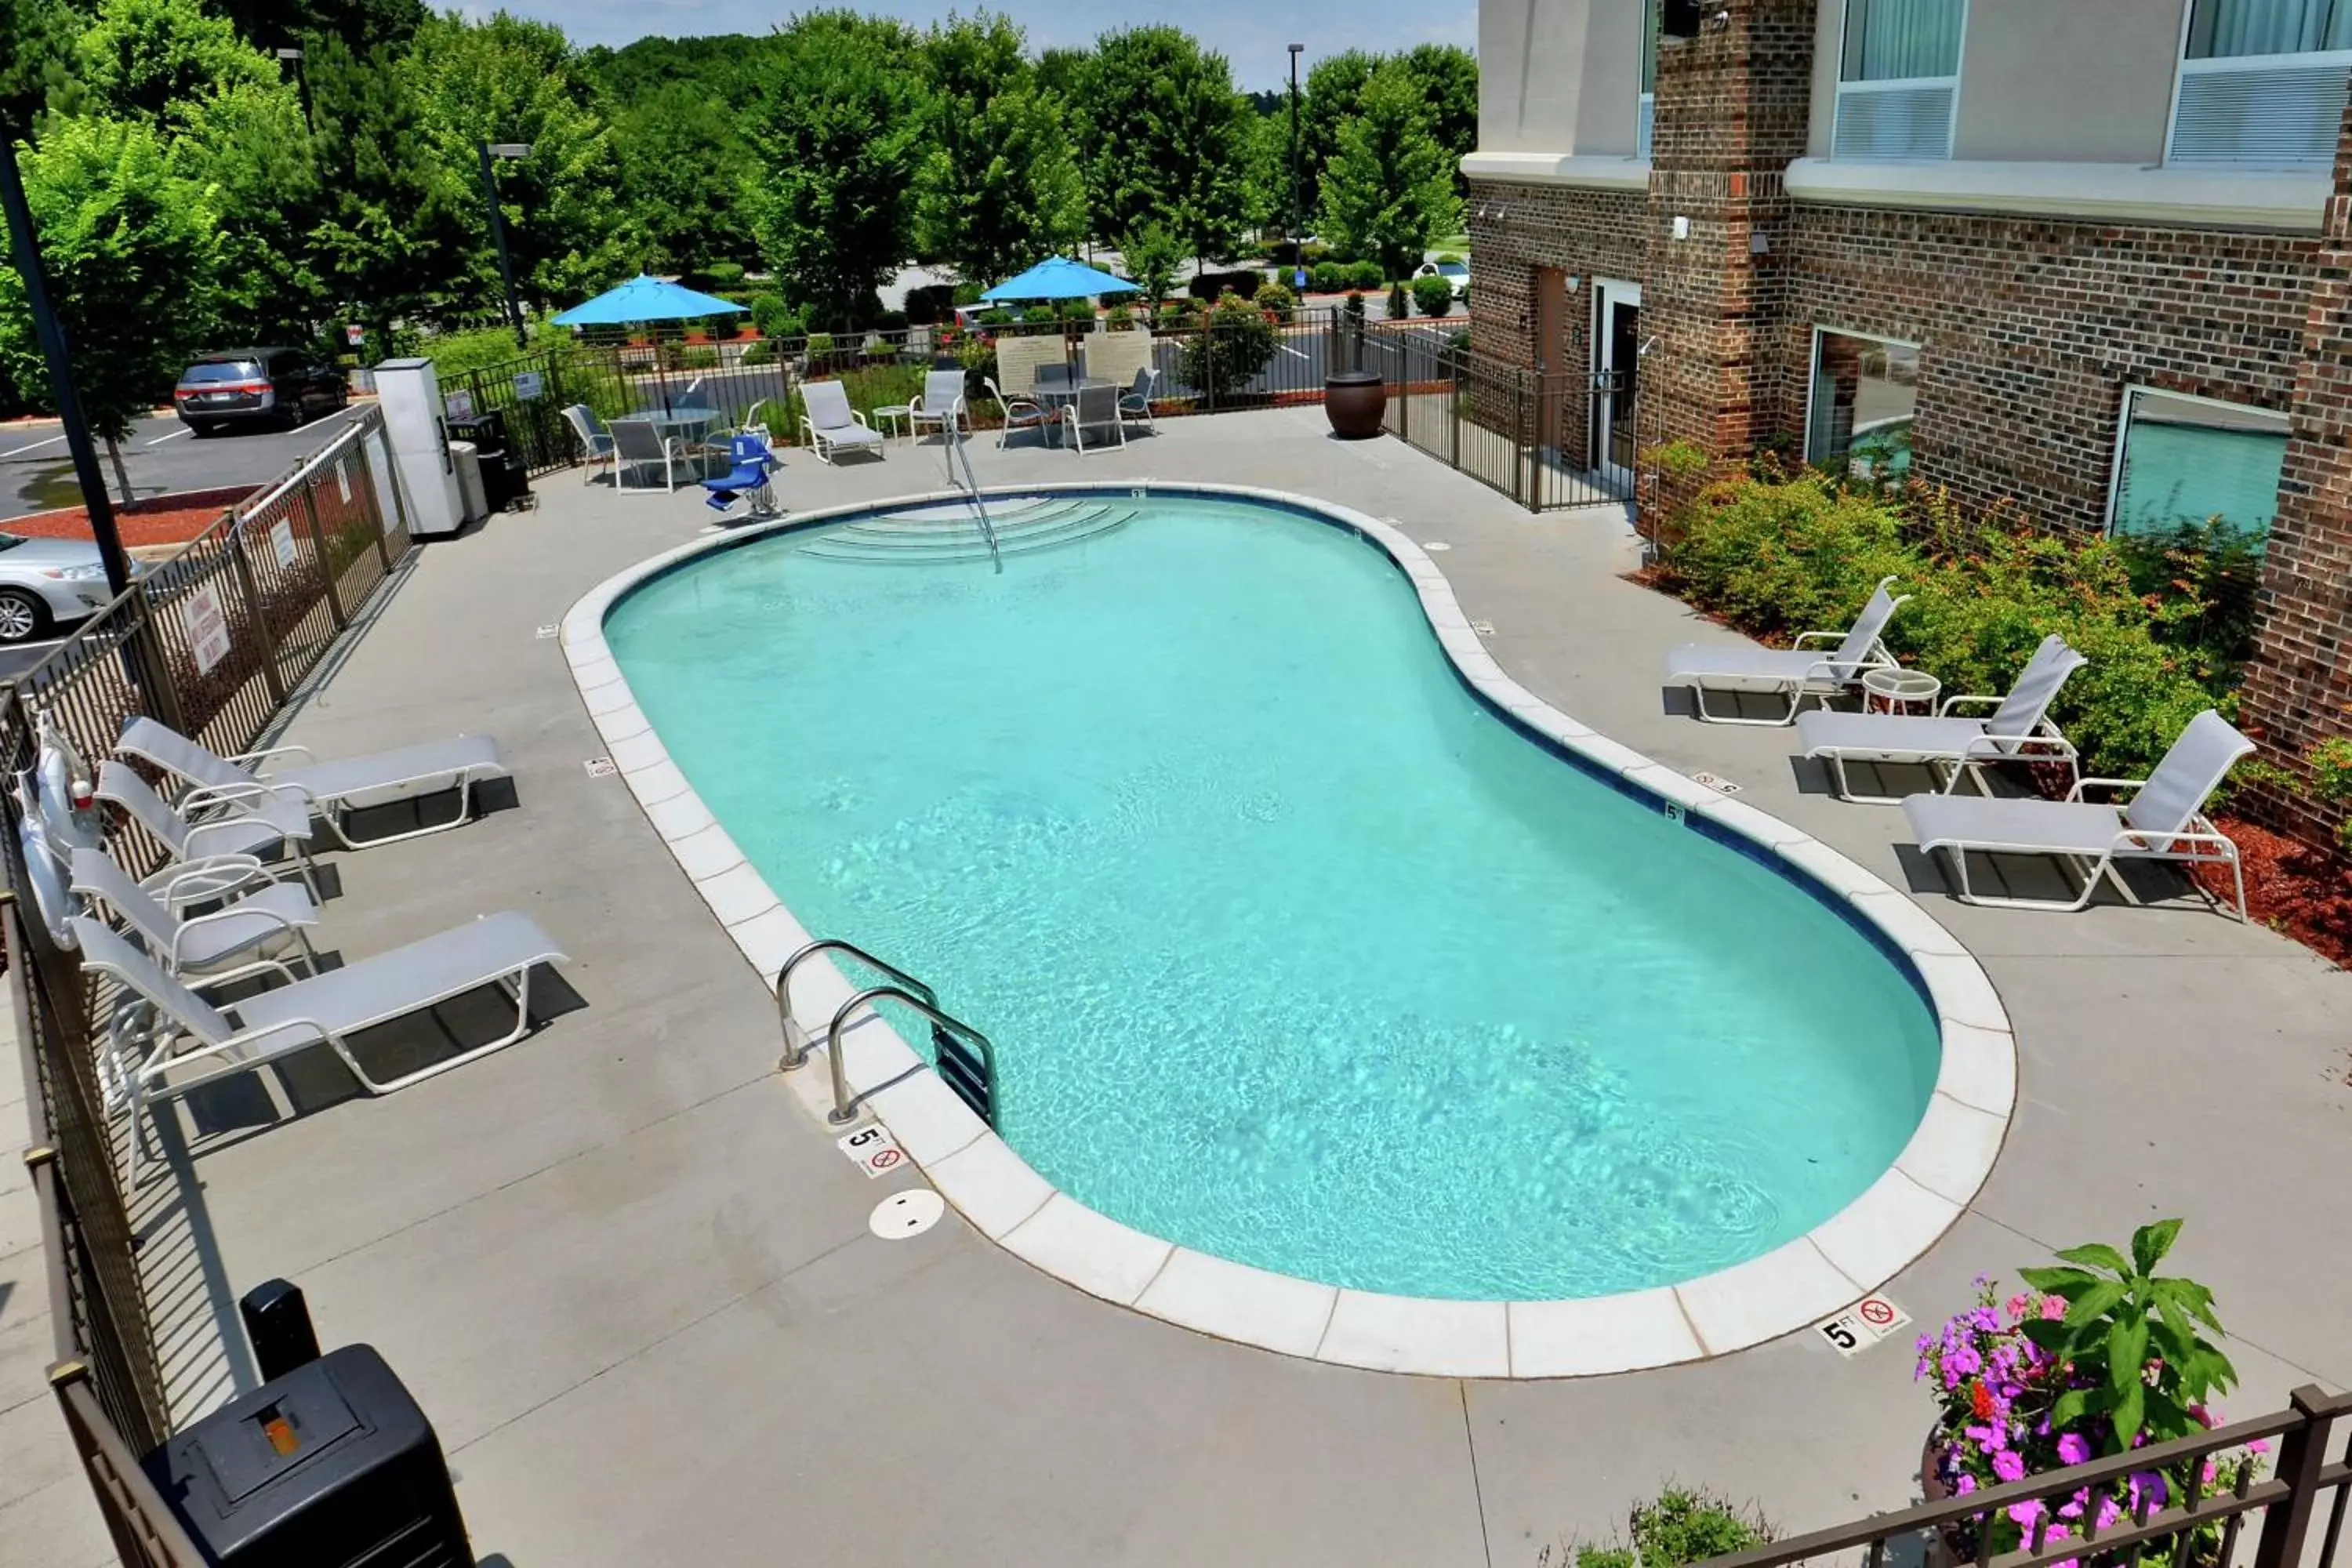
[[748, 479]]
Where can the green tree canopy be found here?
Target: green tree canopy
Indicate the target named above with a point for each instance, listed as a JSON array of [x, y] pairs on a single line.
[[1170, 142], [683, 164], [999, 189], [288, 24], [250, 146], [838, 134], [130, 250], [508, 80], [1447, 76], [384, 227], [157, 60], [37, 61], [1335, 85], [1389, 190]]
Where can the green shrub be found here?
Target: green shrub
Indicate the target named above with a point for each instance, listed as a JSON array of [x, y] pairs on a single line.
[[820, 345], [1432, 296], [1681, 1526], [1365, 275], [774, 319], [760, 353], [1239, 343], [1277, 298], [1330, 277], [454, 354], [968, 293], [1118, 319], [1778, 557], [1355, 306], [698, 356], [998, 316], [1454, 256]]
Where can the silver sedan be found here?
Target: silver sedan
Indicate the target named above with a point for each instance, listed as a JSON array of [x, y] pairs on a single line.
[[45, 581]]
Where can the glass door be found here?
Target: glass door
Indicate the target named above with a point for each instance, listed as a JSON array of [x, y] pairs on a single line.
[[1616, 374]]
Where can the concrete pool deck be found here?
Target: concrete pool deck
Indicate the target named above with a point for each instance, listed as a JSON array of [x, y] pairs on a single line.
[[632, 1282]]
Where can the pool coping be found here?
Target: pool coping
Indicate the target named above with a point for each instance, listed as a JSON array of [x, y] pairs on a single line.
[[1891, 1224]]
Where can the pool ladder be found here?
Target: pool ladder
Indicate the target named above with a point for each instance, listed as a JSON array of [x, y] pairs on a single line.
[[966, 1061], [953, 434]]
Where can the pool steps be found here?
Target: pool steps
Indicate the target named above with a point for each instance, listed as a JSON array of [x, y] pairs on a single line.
[[936, 535]]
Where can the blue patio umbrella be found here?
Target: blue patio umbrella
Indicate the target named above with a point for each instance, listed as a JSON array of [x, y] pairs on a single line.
[[1058, 278], [644, 299]]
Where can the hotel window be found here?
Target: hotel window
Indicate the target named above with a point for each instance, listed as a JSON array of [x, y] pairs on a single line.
[[1865, 391], [1899, 79], [2184, 461], [2262, 82], [1649, 110]]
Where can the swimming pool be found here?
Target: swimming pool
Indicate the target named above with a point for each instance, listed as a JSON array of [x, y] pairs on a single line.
[[1296, 953]]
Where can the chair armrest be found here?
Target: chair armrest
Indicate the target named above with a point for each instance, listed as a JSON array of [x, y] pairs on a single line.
[[247, 759], [2081, 784], [283, 921], [1951, 702], [1804, 637], [210, 877], [202, 796], [860, 419], [212, 824]]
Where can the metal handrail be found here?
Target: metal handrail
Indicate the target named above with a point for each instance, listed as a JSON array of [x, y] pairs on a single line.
[[797, 1054], [954, 433], [845, 1104]]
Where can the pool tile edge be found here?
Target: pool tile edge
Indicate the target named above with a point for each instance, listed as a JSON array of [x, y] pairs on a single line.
[[1948, 1158]]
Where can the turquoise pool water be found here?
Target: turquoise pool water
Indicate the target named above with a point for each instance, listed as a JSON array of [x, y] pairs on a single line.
[[1293, 952]]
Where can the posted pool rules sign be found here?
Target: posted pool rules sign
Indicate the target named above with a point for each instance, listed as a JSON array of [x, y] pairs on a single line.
[[1863, 1325]]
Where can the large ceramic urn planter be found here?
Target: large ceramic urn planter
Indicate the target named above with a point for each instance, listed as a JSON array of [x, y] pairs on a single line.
[[1354, 400]]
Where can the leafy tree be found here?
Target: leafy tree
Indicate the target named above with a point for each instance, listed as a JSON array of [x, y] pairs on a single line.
[[1063, 73], [1447, 76], [251, 145], [1335, 85], [682, 164], [1235, 342], [1390, 189], [38, 62], [508, 80], [838, 136], [999, 188], [157, 60], [130, 253], [360, 24], [384, 234], [1266, 182], [1171, 139], [1152, 255]]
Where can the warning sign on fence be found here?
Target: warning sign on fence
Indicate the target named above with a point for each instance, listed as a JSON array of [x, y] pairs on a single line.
[[207, 628]]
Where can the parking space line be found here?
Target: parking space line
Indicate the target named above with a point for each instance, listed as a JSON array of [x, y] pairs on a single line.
[[172, 434], [1296, 353], [35, 445]]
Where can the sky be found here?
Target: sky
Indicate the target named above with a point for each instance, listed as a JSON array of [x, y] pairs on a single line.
[[1251, 33]]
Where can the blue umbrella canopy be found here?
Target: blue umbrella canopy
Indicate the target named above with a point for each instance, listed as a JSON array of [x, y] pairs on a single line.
[[644, 299], [1057, 278]]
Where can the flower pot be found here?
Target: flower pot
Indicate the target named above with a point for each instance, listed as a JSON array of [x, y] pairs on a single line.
[[1952, 1545], [1354, 401]]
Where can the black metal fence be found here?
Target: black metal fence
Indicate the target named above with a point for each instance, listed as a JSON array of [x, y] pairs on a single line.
[[211, 642], [1548, 442]]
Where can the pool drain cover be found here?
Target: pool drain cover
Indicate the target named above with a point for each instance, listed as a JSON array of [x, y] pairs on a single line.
[[902, 1215]]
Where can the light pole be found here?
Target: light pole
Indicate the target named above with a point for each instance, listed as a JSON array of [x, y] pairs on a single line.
[[301, 82], [489, 149], [1298, 251]]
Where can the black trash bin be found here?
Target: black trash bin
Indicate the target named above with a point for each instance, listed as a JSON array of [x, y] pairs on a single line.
[[505, 475], [331, 1465]]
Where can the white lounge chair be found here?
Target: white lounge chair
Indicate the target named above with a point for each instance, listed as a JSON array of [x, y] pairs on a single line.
[[209, 948], [942, 404], [1094, 409], [639, 444], [595, 441], [332, 789], [1794, 673], [831, 424], [240, 838], [191, 1042], [2163, 822], [1019, 412], [2018, 727]]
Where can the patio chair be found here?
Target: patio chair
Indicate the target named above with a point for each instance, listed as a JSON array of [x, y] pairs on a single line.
[[639, 444], [1017, 412], [595, 441], [1794, 673], [268, 825], [192, 1042], [942, 404], [1094, 409], [1135, 403], [753, 463], [207, 948], [332, 789], [2165, 821], [831, 424], [1054, 374], [2019, 727]]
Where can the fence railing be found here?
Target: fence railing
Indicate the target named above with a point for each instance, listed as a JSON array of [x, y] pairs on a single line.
[[2207, 1499], [211, 642], [1548, 441]]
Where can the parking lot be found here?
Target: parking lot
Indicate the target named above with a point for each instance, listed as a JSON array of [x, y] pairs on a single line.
[[162, 455]]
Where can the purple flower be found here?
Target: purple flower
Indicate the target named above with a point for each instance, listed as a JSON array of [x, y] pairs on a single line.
[[2009, 1466], [1964, 1360], [2152, 1485], [1963, 1484], [2109, 1511], [2074, 1448], [2023, 1514]]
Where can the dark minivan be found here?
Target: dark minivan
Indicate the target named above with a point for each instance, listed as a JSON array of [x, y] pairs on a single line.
[[268, 385]]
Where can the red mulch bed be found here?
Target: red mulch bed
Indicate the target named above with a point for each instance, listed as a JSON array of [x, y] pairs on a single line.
[[155, 519], [2290, 886]]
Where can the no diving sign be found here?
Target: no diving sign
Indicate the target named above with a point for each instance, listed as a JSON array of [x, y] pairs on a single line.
[[1863, 1324], [877, 1152]]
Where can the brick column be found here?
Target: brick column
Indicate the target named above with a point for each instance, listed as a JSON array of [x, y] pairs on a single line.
[[2299, 688], [1732, 107]]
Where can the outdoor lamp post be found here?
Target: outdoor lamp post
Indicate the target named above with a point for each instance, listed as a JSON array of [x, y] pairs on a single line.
[[1298, 218], [293, 57], [489, 149]]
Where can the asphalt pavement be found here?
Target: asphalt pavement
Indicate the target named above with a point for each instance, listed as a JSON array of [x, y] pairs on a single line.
[[162, 455]]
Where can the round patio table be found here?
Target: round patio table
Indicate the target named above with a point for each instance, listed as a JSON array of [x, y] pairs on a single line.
[[1054, 396]]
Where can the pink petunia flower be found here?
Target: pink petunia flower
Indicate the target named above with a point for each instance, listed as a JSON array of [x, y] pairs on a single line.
[[2074, 1448], [1964, 1484], [2054, 1308], [2009, 1464]]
